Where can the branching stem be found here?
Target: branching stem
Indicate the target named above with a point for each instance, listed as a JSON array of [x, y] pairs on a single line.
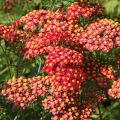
[[6, 59], [100, 114]]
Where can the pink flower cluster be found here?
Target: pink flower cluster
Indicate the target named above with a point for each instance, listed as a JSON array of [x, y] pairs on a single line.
[[22, 91], [114, 91], [101, 35], [66, 107]]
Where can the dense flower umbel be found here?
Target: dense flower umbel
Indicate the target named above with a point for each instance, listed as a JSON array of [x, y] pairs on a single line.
[[101, 35], [86, 9], [38, 18], [69, 78], [59, 56], [7, 32], [65, 105], [11, 34], [53, 33], [115, 89], [109, 72], [23, 91]]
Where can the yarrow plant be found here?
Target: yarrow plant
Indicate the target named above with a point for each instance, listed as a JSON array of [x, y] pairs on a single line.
[[75, 82]]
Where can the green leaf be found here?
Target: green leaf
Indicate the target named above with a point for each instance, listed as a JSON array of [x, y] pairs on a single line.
[[113, 7], [36, 1]]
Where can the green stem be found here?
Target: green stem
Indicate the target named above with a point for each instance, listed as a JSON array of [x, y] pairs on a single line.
[[6, 60], [22, 117], [40, 61], [3, 71], [20, 61], [100, 114]]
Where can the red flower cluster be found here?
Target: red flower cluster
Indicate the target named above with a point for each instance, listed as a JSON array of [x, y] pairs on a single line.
[[38, 18], [86, 9], [61, 56], [65, 64], [10, 34], [7, 32], [52, 33], [66, 44], [101, 35], [115, 89]]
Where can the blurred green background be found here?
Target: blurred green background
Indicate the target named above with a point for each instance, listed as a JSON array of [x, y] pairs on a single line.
[[11, 10]]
